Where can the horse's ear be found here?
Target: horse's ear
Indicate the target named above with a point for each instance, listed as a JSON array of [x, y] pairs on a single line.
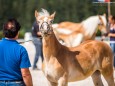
[[53, 15], [104, 14], [99, 17], [36, 13]]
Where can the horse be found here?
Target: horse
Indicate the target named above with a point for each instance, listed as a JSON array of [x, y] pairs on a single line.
[[72, 34], [66, 25], [68, 64]]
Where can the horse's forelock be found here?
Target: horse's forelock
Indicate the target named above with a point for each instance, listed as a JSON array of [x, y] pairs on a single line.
[[44, 12]]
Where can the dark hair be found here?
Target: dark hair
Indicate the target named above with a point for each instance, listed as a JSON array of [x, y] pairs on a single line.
[[11, 28], [113, 17]]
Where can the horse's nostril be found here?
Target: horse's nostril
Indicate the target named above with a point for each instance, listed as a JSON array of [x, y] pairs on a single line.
[[45, 32]]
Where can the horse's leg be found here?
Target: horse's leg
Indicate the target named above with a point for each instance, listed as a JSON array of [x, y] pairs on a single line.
[[63, 81], [96, 76], [108, 75]]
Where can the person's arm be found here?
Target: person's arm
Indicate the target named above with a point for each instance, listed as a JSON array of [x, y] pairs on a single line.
[[39, 33], [26, 76], [111, 34]]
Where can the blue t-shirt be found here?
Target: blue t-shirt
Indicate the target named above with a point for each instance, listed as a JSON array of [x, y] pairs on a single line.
[[13, 57]]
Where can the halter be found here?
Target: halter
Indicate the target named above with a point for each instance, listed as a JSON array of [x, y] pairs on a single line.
[[48, 29]]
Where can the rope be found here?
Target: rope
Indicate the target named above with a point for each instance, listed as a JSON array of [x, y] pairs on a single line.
[[24, 42]]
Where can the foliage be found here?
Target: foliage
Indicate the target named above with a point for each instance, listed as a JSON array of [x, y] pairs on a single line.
[[1, 35], [98, 33], [21, 34], [66, 10]]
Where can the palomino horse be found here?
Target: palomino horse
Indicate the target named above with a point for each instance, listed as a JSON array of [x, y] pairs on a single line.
[[63, 64], [74, 33]]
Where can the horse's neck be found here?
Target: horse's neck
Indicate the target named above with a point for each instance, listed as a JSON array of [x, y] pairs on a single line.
[[90, 25], [50, 46]]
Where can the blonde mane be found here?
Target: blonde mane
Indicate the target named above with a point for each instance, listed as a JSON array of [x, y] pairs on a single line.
[[44, 12], [91, 24]]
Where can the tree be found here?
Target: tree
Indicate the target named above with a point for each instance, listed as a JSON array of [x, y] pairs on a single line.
[[66, 10]]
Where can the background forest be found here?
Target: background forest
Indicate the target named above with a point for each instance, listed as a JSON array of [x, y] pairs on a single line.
[[66, 10]]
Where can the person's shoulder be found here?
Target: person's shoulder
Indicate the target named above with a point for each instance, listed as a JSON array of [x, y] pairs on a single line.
[[1, 43], [34, 23], [21, 47], [114, 25]]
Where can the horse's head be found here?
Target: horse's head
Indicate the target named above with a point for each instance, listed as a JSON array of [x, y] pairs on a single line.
[[102, 24], [44, 20]]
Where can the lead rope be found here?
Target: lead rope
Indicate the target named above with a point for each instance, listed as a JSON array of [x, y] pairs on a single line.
[[24, 42]]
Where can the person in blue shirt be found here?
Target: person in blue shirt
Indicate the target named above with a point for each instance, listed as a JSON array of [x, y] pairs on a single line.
[[112, 35], [14, 60]]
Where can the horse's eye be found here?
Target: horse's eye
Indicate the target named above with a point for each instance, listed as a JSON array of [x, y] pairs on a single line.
[[51, 21], [100, 23], [38, 22]]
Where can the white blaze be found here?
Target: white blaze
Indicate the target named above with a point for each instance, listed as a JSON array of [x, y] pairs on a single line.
[[44, 24]]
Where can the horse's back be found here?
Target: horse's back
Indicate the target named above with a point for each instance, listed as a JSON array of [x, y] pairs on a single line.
[[98, 46], [99, 52], [93, 52], [93, 55]]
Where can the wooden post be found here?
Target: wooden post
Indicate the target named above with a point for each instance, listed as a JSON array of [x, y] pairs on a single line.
[[109, 9]]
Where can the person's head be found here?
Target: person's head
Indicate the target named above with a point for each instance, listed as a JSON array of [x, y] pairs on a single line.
[[113, 19], [110, 19], [11, 28]]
